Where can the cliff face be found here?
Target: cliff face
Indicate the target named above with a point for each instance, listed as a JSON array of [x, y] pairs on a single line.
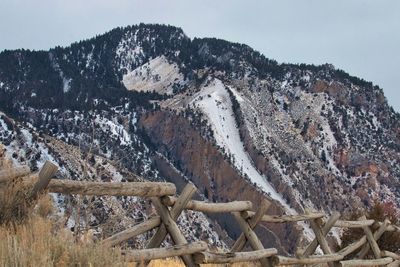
[[203, 164], [154, 103]]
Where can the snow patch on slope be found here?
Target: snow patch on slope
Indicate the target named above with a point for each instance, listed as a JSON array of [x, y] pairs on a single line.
[[128, 52], [156, 75], [117, 130], [215, 103], [56, 66], [66, 84]]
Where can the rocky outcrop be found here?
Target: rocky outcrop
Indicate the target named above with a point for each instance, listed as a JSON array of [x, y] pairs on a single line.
[[210, 171]]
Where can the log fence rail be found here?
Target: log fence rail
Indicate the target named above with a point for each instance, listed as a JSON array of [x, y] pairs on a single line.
[[169, 207]]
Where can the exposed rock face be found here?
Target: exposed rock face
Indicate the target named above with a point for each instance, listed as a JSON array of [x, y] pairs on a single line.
[[148, 101], [208, 169]]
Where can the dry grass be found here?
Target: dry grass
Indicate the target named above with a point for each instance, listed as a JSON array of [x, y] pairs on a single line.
[[38, 242], [30, 237], [45, 206], [13, 205]]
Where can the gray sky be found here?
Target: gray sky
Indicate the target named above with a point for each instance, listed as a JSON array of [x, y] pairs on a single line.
[[361, 37]]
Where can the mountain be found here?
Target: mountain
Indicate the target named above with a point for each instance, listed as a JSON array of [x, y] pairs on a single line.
[[148, 101]]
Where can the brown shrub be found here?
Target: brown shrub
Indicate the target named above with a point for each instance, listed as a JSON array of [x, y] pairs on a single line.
[[36, 243], [379, 212], [45, 206], [14, 207]]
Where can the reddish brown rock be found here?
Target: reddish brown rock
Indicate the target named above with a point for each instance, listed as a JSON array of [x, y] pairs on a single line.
[[199, 160]]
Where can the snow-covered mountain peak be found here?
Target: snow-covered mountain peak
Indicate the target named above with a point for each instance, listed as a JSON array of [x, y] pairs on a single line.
[[158, 75], [158, 104]]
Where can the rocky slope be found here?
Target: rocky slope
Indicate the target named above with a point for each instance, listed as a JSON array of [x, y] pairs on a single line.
[[22, 144], [148, 101]]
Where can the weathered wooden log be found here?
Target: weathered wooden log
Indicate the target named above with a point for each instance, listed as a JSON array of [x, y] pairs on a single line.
[[247, 230], [211, 207], [285, 218], [391, 228], [378, 233], [140, 189], [281, 260], [7, 175], [396, 228], [363, 240], [141, 255], [321, 238], [353, 224], [231, 257], [47, 172], [385, 253], [325, 230], [132, 231], [376, 262], [176, 210], [172, 229], [372, 242], [394, 264], [353, 246], [253, 221]]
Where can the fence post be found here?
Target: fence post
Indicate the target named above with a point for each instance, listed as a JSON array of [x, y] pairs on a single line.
[[249, 233], [172, 229], [325, 230], [376, 236], [46, 173], [253, 221], [319, 235], [176, 210]]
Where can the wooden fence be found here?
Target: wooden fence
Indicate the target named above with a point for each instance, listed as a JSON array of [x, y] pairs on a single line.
[[169, 207]]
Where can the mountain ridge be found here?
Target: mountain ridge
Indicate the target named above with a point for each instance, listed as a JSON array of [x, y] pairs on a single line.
[[303, 136]]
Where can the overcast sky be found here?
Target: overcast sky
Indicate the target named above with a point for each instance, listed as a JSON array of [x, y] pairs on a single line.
[[361, 37]]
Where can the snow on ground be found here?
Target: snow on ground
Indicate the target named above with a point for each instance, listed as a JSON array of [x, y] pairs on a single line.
[[215, 103], [115, 174], [44, 155], [3, 125], [117, 130], [157, 74], [66, 84], [56, 67], [89, 60], [128, 51]]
